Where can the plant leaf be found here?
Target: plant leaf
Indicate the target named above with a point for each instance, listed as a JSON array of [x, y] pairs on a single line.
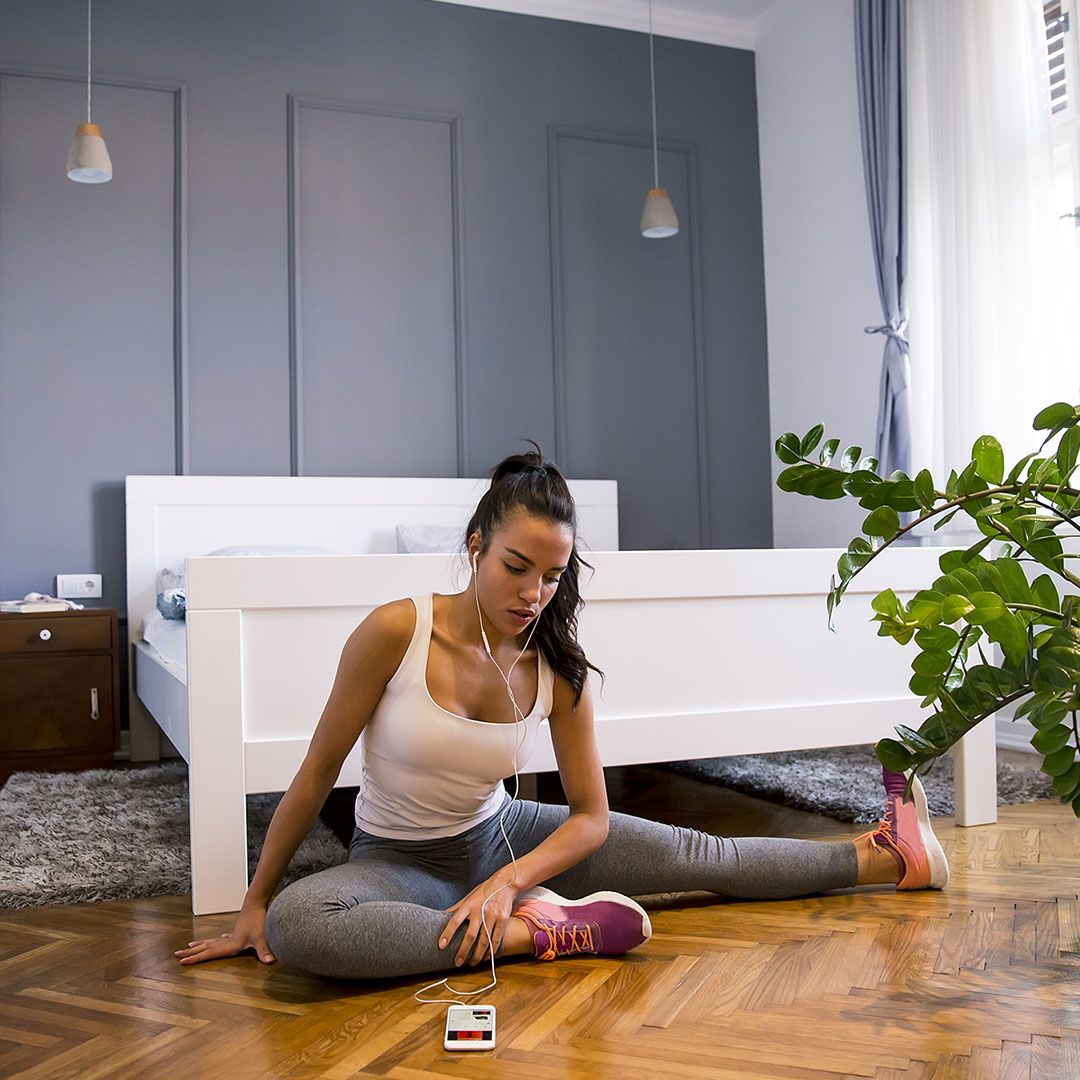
[[1010, 633], [887, 603], [931, 663], [787, 448], [940, 638], [1044, 593], [1067, 451], [884, 521], [850, 456], [811, 439], [894, 755], [860, 482], [1065, 784], [917, 740], [1051, 740], [1053, 415], [955, 607], [828, 451], [1060, 761], [988, 606], [924, 489], [989, 459], [1017, 469]]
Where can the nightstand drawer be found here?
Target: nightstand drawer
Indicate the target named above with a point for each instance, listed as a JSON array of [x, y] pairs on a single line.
[[42, 708], [49, 633]]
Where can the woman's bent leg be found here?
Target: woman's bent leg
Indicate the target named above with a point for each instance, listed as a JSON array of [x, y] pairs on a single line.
[[641, 857], [364, 920]]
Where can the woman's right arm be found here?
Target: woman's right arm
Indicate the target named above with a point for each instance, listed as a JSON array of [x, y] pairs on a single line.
[[369, 659]]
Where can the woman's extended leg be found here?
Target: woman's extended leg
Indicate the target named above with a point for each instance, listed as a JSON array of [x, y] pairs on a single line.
[[642, 856]]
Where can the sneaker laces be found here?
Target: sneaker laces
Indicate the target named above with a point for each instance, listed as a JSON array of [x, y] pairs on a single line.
[[884, 829], [563, 938]]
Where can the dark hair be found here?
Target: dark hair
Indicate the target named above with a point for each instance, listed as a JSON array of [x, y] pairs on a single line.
[[528, 483]]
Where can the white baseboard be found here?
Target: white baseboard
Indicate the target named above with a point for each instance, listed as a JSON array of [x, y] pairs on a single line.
[[1016, 734]]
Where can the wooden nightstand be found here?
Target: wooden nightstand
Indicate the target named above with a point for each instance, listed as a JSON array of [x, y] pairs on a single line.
[[59, 691]]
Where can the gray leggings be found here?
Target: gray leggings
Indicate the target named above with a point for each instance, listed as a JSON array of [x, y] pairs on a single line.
[[380, 914]]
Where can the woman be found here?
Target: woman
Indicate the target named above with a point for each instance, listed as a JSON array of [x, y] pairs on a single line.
[[433, 682]]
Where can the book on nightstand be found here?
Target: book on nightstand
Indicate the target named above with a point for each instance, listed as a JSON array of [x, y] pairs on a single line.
[[17, 607]]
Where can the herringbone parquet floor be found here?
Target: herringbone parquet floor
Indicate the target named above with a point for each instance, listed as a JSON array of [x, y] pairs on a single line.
[[980, 980]]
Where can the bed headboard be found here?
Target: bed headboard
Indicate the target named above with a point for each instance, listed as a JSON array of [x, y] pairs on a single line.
[[171, 517]]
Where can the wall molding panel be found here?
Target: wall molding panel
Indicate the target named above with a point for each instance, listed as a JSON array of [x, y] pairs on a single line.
[[296, 105], [178, 90], [688, 223]]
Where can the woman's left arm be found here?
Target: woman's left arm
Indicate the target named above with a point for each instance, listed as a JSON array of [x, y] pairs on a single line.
[[582, 775], [580, 835]]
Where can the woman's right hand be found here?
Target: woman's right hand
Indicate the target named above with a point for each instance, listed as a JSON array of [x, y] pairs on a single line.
[[247, 934]]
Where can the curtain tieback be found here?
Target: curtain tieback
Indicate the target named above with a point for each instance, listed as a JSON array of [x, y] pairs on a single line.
[[896, 333]]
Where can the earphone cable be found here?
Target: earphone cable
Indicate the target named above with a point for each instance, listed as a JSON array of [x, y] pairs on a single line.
[[519, 717]]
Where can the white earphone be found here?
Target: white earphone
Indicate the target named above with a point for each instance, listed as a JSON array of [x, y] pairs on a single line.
[[519, 718]]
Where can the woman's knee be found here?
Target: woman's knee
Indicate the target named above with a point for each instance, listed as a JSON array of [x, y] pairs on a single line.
[[328, 936], [284, 920], [299, 917]]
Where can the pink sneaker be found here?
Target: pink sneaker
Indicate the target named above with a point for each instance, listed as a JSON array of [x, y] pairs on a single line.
[[603, 923], [905, 830]]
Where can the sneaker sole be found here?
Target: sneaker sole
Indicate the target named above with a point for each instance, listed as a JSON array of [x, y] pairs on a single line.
[[939, 864], [540, 893]]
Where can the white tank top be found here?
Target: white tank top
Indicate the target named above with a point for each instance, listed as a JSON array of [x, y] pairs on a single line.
[[428, 772]]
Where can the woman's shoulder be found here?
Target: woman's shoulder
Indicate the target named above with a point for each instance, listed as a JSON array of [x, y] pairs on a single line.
[[385, 633], [395, 620]]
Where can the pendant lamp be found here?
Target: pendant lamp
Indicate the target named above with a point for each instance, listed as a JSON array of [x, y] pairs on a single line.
[[88, 159], [658, 219]]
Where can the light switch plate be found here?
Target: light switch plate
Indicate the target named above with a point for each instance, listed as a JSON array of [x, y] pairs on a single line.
[[78, 586]]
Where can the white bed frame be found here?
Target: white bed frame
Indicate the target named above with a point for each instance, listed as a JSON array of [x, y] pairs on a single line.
[[706, 653]]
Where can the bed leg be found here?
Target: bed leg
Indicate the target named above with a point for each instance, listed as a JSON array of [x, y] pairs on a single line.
[[145, 735], [216, 787], [975, 768]]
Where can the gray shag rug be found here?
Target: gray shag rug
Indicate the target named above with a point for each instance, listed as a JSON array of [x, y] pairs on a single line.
[[844, 782], [119, 834]]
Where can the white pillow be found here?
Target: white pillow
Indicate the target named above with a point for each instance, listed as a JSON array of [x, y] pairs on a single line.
[[271, 549], [172, 577], [429, 539]]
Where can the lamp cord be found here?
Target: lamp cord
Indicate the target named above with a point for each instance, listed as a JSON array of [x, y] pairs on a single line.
[[88, 61], [652, 84]]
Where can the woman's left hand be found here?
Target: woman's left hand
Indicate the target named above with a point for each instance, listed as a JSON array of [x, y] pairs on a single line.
[[496, 914]]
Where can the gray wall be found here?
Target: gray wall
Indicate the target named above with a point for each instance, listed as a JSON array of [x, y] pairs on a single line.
[[372, 237]]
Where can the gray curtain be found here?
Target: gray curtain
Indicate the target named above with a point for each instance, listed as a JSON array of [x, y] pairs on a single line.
[[880, 56]]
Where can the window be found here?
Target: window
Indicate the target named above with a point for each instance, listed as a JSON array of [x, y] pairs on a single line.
[[1063, 62], [1063, 68], [1062, 77]]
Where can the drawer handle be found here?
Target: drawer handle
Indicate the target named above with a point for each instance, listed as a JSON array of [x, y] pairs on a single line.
[[44, 634], [94, 714]]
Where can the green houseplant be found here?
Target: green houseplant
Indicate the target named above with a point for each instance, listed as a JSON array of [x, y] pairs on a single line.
[[1035, 622]]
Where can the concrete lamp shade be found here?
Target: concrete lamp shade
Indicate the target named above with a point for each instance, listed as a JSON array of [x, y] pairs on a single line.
[[659, 218], [88, 159]]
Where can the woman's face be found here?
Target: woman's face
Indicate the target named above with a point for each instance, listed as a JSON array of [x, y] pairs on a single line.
[[518, 574]]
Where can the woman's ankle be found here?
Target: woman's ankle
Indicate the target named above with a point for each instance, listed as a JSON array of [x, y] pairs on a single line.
[[877, 865], [518, 940]]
